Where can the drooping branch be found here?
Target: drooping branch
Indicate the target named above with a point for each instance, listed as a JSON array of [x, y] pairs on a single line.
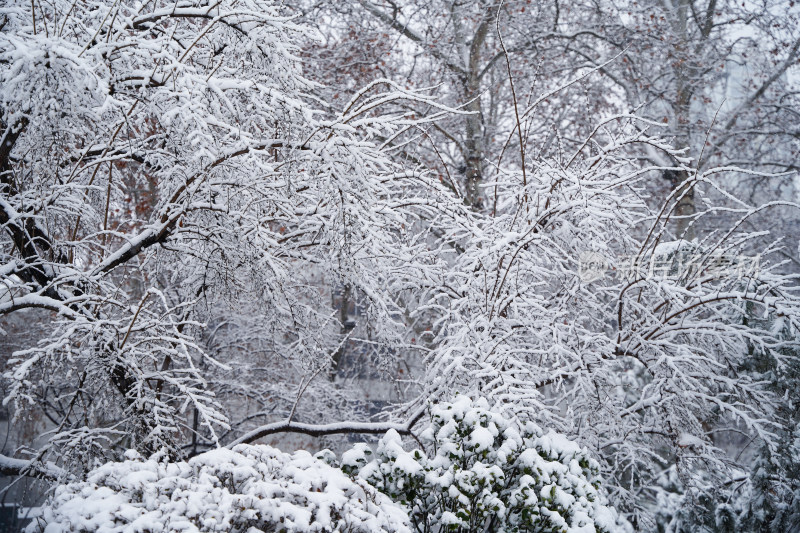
[[336, 428], [19, 467]]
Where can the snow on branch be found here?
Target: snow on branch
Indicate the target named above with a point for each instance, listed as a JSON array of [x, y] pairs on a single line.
[[319, 430], [19, 467]]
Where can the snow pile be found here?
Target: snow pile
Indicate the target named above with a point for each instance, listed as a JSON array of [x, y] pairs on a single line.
[[487, 470], [247, 489]]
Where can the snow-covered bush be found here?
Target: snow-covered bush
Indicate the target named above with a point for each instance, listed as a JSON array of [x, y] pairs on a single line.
[[246, 489], [488, 472]]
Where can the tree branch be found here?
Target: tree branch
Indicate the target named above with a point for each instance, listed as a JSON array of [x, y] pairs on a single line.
[[336, 428], [19, 467], [407, 32]]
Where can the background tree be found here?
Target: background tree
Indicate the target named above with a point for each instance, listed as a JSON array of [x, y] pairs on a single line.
[[721, 75], [455, 46]]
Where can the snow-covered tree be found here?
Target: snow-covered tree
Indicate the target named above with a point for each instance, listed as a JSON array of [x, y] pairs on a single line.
[[249, 198], [187, 219], [719, 75], [639, 359]]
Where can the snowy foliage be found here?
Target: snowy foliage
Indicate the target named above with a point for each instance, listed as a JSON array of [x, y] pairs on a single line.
[[487, 472], [180, 211], [246, 489]]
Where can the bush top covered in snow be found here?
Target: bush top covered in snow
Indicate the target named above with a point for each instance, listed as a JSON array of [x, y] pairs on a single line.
[[246, 489], [488, 472]]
